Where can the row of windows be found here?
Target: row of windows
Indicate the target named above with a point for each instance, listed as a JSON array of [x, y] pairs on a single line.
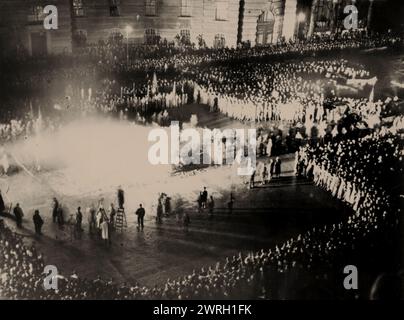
[[147, 32], [151, 34], [151, 8]]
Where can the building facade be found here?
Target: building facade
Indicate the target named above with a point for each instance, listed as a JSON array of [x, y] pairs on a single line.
[[327, 16], [22, 27], [219, 23]]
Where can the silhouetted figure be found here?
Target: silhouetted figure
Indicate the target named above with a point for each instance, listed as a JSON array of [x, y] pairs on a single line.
[[121, 198], [252, 180], [18, 215], [38, 222], [79, 218], [278, 164], [167, 205], [211, 205], [200, 202], [140, 217], [112, 214], [186, 220], [71, 224], [92, 221], [79, 221], [204, 197], [55, 208], [60, 218], [230, 203], [159, 217], [105, 231]]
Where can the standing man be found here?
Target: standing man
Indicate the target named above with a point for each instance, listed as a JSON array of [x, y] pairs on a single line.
[[278, 167], [269, 147], [55, 209], [230, 203], [60, 217], [18, 215], [264, 175], [186, 221], [38, 222], [140, 217], [71, 224], [104, 231], [79, 220], [159, 216], [204, 197], [121, 198], [252, 180], [271, 166], [112, 213], [211, 206], [167, 205], [91, 218]]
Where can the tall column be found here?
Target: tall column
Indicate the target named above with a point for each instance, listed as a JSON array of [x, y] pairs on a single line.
[[277, 28], [334, 16], [289, 21], [313, 17], [370, 13]]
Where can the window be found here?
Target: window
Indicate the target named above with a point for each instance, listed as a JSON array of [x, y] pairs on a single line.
[[186, 8], [185, 37], [115, 36], [324, 13], [37, 13], [220, 41], [151, 36], [78, 9], [221, 10], [266, 16], [151, 7], [114, 8]]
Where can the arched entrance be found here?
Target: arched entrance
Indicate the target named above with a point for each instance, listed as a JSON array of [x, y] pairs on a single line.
[[265, 28]]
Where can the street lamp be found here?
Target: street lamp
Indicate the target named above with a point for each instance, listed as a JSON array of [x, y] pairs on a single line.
[[128, 30]]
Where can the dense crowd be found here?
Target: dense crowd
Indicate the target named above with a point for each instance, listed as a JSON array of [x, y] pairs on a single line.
[[164, 58], [361, 172], [355, 156]]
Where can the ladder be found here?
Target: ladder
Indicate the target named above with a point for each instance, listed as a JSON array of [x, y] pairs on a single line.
[[120, 220]]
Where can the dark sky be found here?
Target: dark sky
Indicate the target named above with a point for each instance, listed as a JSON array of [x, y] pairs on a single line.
[[389, 13]]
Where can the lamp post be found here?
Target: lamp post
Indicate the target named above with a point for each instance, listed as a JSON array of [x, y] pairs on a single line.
[[128, 30]]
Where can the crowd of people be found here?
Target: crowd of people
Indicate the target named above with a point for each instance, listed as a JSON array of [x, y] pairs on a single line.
[[352, 152], [163, 58], [365, 173]]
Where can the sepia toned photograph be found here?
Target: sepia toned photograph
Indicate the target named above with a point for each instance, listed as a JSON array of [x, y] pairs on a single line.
[[210, 150]]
